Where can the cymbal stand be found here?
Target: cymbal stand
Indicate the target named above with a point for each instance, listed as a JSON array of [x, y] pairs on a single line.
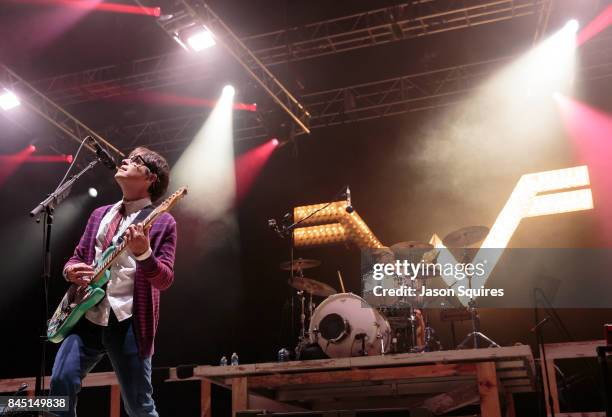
[[475, 334], [431, 341]]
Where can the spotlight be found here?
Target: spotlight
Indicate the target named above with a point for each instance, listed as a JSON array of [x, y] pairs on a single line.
[[230, 90], [8, 100], [93, 193], [32, 148], [69, 158], [200, 40], [572, 25], [275, 142]]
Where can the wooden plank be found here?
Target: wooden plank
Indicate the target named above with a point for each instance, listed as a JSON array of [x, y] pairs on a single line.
[[369, 403], [115, 401], [516, 382], [383, 374], [97, 379], [488, 389], [549, 366], [100, 379], [522, 352], [589, 414], [429, 388], [453, 399], [12, 384], [444, 356], [205, 399], [240, 395], [308, 394], [501, 365], [259, 402], [512, 374], [510, 409], [572, 349]]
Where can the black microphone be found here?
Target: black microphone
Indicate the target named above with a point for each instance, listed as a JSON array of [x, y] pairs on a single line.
[[349, 205], [103, 155]]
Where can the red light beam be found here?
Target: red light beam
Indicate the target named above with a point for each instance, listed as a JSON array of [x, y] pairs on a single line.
[[10, 163], [249, 165], [95, 5], [595, 26], [591, 132]]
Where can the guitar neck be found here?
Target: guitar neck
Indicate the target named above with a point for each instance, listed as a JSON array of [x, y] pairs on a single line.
[[119, 249]]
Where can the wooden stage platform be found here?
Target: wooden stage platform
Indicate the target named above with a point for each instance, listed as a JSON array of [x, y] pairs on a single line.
[[438, 381]]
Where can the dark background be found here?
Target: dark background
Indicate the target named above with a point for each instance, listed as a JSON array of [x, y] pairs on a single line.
[[409, 178]]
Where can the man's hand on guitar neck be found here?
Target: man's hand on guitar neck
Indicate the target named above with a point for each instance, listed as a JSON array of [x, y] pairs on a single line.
[[137, 237], [79, 274]]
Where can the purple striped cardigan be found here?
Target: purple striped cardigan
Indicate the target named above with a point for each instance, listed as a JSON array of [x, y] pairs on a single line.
[[153, 275]]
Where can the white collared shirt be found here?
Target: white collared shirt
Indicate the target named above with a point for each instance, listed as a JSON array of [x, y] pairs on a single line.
[[120, 287]]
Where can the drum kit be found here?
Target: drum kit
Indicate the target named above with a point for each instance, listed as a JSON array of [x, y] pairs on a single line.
[[344, 324]]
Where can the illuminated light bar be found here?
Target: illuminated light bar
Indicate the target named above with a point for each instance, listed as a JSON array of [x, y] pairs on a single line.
[[332, 213], [8, 100], [327, 234], [566, 202], [356, 230]]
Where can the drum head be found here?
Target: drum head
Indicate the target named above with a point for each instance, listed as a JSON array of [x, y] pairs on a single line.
[[340, 322]]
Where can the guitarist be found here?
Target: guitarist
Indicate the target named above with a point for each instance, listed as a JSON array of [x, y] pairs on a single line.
[[123, 324]]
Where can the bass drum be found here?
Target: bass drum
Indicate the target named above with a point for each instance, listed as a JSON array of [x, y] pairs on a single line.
[[341, 322]]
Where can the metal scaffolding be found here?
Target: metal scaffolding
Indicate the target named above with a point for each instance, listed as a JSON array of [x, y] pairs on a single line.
[[412, 19], [69, 125], [417, 18], [192, 13], [435, 89]]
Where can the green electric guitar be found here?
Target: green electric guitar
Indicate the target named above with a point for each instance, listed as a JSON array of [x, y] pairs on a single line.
[[79, 299]]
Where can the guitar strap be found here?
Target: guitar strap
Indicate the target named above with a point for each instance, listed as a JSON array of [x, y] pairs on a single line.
[[144, 212]]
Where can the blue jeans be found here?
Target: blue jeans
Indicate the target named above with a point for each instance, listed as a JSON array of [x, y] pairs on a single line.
[[86, 346]]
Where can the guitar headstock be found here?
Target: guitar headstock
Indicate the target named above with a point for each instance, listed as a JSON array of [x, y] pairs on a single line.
[[169, 202]]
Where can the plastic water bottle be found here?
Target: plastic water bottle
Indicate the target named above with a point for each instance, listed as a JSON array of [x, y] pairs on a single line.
[[234, 359], [223, 361], [283, 355]]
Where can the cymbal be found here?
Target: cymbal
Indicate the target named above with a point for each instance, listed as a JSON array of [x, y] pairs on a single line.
[[412, 244], [465, 236], [412, 250], [299, 264], [312, 286]]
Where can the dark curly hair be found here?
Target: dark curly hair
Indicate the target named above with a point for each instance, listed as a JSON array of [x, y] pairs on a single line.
[[158, 165]]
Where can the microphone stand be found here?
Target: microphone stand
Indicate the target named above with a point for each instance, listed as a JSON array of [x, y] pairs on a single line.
[[46, 208], [285, 230]]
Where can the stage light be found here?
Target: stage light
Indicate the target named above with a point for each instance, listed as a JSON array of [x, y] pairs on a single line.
[[572, 26], [93, 193], [69, 159], [200, 40], [228, 89], [32, 148], [8, 100], [275, 142]]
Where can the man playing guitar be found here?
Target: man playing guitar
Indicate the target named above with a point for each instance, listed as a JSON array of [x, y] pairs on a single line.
[[124, 323]]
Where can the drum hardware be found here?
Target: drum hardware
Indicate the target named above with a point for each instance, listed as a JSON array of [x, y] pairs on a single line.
[[362, 337], [311, 286], [465, 236], [298, 265], [452, 315], [461, 239]]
